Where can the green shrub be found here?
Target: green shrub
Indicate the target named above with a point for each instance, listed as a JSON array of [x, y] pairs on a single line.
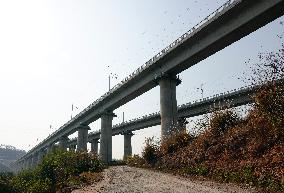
[[247, 174], [39, 186], [234, 177], [198, 170], [269, 103], [150, 151], [59, 166], [57, 171], [30, 181], [6, 183], [201, 170], [23, 180]]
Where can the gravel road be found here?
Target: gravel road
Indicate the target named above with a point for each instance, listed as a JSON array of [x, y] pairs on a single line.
[[124, 179]]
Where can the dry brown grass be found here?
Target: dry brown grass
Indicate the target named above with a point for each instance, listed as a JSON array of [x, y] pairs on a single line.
[[249, 150]]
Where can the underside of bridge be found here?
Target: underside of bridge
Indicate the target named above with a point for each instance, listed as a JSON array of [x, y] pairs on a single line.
[[235, 20]]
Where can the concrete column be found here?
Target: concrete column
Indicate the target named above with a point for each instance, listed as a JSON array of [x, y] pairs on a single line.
[[25, 164], [22, 166], [40, 155], [106, 137], [54, 147], [127, 145], [49, 148], [34, 160], [72, 147], [94, 146], [19, 166], [30, 162], [168, 105], [82, 139], [63, 142]]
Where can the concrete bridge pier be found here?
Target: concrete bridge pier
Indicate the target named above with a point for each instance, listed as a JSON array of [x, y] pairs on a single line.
[[72, 147], [34, 160], [106, 136], [127, 145], [55, 146], [29, 162], [94, 146], [40, 156], [49, 148], [25, 164], [63, 142], [20, 166], [82, 139], [168, 104]]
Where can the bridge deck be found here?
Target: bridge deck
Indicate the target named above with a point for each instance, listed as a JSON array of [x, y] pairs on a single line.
[[231, 22]]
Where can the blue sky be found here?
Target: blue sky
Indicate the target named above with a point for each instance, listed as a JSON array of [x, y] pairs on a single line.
[[57, 53]]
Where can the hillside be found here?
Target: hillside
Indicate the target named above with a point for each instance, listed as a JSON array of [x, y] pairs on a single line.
[[8, 154], [228, 148], [4, 168]]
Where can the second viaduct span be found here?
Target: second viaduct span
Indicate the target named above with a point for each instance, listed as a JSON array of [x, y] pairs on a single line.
[[229, 23], [231, 99], [206, 105]]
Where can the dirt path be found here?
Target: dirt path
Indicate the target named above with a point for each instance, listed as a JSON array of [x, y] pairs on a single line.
[[124, 179]]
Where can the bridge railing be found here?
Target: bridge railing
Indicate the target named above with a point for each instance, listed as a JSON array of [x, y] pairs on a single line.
[[251, 87], [226, 6], [195, 102], [162, 53], [213, 97]]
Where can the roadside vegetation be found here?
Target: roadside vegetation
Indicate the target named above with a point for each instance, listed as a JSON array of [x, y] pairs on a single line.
[[230, 147], [59, 172]]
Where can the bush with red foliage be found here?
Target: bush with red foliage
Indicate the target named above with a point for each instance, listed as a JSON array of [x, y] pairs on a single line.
[[249, 150], [175, 142], [221, 121], [269, 104]]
